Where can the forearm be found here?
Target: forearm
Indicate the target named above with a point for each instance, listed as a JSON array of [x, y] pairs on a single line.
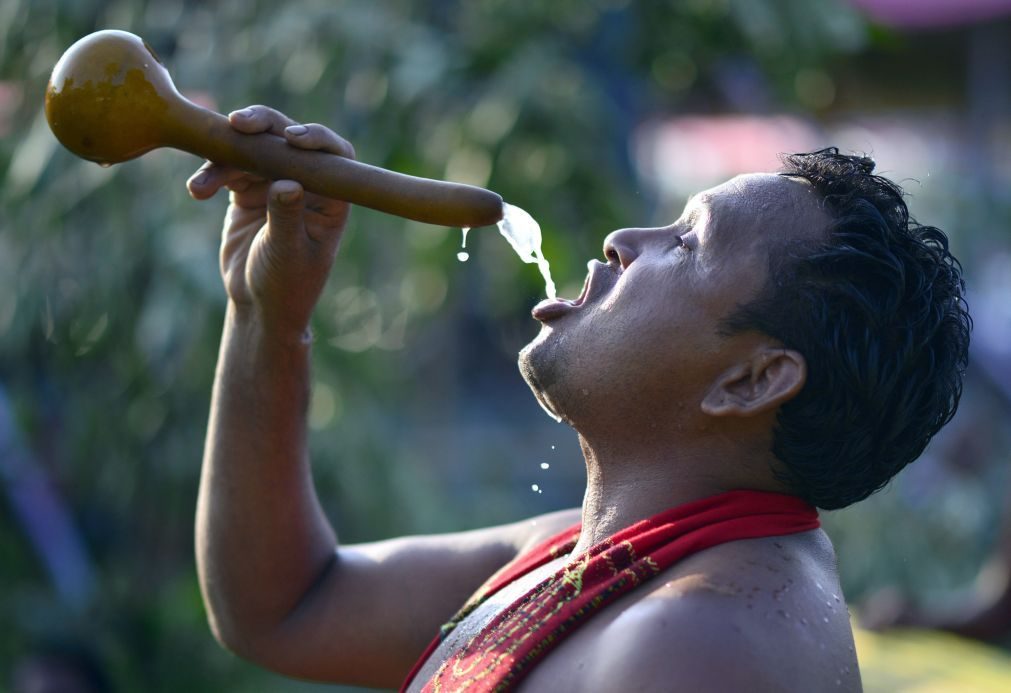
[[262, 540]]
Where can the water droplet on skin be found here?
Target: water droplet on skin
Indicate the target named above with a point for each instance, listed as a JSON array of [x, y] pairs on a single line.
[[462, 256], [545, 465], [825, 619], [547, 410]]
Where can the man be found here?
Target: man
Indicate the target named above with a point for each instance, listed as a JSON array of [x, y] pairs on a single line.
[[792, 339]]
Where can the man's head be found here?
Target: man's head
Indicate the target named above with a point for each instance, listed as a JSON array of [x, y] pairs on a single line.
[[877, 310], [803, 313]]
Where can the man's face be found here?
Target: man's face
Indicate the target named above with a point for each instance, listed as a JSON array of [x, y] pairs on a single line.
[[641, 344]]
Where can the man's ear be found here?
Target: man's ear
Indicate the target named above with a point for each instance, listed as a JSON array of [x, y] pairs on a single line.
[[762, 383]]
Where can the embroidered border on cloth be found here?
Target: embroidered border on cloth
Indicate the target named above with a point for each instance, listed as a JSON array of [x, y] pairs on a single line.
[[513, 642]]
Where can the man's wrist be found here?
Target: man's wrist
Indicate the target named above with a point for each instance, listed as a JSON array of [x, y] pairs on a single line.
[[251, 324]]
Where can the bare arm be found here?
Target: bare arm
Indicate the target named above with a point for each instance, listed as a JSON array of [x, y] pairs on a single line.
[[278, 589]]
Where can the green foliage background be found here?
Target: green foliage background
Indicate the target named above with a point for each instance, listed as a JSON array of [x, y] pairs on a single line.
[[111, 305]]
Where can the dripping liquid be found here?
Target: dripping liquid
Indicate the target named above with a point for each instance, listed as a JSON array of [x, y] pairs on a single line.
[[463, 255]]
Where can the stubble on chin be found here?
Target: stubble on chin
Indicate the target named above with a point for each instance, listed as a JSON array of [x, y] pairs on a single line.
[[538, 364], [537, 360]]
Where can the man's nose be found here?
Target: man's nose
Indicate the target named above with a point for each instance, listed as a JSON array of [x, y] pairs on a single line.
[[623, 246]]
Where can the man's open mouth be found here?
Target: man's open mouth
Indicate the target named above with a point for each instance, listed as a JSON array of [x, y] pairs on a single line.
[[596, 285]]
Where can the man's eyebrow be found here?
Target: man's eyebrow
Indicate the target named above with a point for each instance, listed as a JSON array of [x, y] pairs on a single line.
[[699, 199], [691, 208], [697, 205]]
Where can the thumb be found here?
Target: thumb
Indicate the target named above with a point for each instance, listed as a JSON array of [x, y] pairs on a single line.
[[285, 212]]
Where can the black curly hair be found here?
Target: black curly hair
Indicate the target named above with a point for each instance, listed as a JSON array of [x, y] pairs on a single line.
[[877, 309]]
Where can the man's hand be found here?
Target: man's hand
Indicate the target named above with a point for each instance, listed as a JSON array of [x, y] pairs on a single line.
[[278, 242]]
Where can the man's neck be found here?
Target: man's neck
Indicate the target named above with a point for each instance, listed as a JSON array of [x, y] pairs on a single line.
[[631, 482]]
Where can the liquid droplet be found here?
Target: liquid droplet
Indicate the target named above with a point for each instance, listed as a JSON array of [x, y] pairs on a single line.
[[547, 410], [545, 465], [104, 164], [552, 447], [535, 488], [463, 255]]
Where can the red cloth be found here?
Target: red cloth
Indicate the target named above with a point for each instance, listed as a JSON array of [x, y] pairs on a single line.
[[512, 643]]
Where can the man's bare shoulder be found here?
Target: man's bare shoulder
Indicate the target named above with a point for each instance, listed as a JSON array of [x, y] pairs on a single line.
[[752, 615]]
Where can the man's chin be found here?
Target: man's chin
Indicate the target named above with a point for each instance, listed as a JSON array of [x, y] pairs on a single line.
[[538, 366]]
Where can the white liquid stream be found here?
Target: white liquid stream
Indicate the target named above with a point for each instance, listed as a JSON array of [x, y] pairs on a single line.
[[524, 235]]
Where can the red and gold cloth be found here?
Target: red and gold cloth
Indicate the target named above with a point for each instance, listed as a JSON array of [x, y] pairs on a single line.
[[512, 643]]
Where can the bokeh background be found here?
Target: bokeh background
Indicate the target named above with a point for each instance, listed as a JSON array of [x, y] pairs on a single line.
[[590, 114]]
